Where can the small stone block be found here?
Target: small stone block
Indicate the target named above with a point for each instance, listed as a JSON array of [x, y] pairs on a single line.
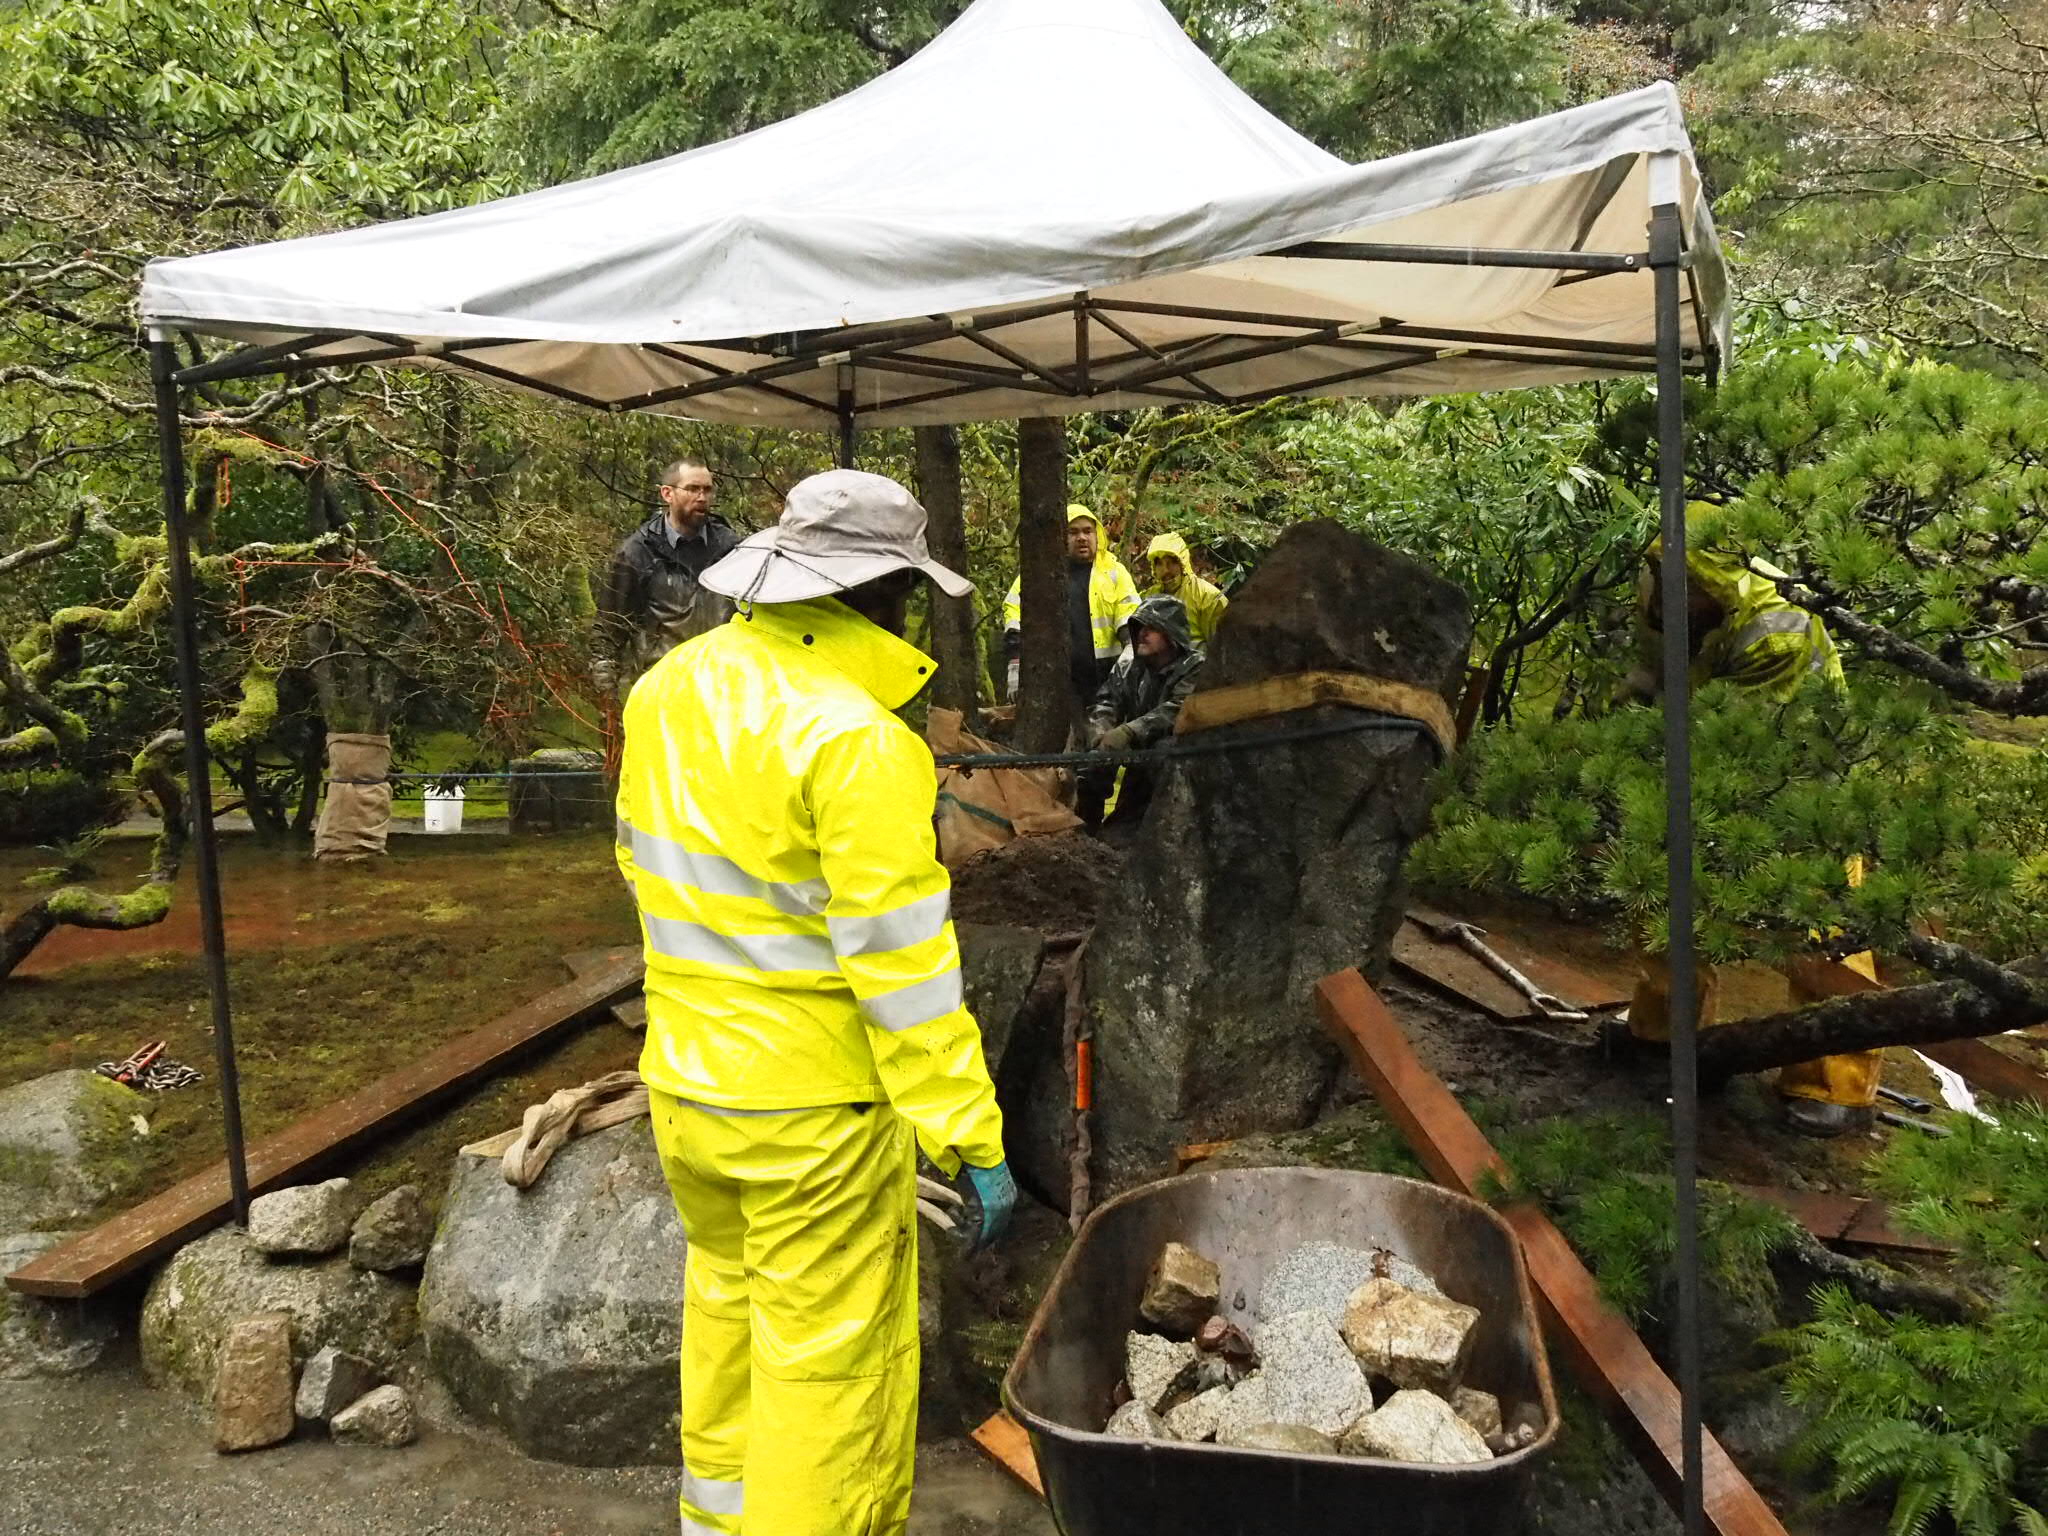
[[252, 1394], [1311, 1378], [1199, 1416], [1151, 1366], [1479, 1409], [383, 1417], [1289, 1439], [1134, 1421], [333, 1378], [1415, 1426], [1181, 1294], [1245, 1406], [1411, 1339], [393, 1233], [303, 1222]]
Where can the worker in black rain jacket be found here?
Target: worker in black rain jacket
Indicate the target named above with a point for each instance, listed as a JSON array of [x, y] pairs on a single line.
[[1137, 707], [652, 600]]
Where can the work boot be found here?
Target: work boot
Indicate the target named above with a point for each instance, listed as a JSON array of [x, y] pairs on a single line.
[[1814, 1117]]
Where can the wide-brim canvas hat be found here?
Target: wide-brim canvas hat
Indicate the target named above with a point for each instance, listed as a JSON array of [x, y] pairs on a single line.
[[837, 530]]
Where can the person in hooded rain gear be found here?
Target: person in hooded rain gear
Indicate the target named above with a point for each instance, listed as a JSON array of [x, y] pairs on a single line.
[[1173, 575], [1100, 596], [1138, 705], [1743, 631], [806, 1029], [652, 599]]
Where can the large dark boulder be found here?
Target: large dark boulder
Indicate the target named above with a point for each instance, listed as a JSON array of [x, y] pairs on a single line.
[[1259, 872]]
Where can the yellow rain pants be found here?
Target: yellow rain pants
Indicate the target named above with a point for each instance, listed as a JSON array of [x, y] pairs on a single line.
[[800, 1349]]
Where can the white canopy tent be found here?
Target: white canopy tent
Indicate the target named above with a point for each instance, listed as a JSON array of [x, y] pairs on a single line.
[[1057, 206]]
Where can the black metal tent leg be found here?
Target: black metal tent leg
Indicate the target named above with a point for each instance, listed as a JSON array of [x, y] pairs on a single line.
[[848, 430], [1666, 243], [199, 789]]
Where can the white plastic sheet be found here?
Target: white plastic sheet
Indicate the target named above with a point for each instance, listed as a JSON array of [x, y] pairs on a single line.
[[1069, 156]]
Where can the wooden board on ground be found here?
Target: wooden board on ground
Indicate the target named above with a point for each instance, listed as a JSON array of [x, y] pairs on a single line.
[[97, 1258], [1460, 972], [1605, 1354], [1006, 1441], [1983, 1067], [1849, 1219]]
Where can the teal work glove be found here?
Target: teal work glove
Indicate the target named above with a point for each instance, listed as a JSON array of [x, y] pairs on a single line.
[[996, 1192]]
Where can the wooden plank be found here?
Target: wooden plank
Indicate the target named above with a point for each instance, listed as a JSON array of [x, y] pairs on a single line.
[[1848, 1219], [97, 1258], [1980, 1065], [1604, 1353], [1194, 1152], [1005, 1440]]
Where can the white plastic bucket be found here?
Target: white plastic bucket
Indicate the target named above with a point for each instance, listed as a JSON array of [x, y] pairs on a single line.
[[443, 810]]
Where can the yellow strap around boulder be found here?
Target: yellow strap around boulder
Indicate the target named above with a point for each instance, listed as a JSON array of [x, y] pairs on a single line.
[[1306, 690]]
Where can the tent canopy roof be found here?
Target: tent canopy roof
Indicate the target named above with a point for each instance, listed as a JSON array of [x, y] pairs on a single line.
[[1056, 206]]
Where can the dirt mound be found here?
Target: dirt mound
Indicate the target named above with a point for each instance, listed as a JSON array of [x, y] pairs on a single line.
[[1053, 884]]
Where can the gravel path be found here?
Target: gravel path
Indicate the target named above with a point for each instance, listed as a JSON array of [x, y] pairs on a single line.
[[104, 1453]]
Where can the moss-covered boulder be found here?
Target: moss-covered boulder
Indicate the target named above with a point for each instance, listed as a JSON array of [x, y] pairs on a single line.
[[554, 1314], [70, 1142], [210, 1285]]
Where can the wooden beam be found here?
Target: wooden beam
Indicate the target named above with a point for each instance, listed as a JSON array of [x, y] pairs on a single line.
[[95, 1259], [1005, 1440], [1462, 974], [1605, 1354]]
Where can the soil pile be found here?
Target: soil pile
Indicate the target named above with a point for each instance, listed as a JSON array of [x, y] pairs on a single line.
[[1053, 884]]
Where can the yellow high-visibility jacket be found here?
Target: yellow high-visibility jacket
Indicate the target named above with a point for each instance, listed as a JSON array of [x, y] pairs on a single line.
[[775, 824], [1762, 642], [1112, 596], [1204, 600]]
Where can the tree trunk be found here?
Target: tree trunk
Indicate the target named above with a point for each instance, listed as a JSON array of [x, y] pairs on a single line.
[[1045, 695], [1920, 1015], [938, 486]]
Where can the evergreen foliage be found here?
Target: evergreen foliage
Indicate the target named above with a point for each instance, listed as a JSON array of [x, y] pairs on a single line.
[[1948, 1421]]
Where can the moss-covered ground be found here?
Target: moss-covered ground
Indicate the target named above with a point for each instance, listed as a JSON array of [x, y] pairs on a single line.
[[339, 974]]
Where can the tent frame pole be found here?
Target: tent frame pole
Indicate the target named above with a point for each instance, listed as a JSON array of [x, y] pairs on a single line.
[[198, 783], [1667, 259]]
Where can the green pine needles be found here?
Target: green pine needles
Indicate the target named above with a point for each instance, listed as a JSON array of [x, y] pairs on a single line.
[[1948, 1421]]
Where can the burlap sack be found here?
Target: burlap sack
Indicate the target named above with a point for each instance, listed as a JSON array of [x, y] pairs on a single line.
[[356, 819], [987, 807]]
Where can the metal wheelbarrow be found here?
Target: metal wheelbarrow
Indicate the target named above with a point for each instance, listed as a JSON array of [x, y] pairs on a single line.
[[1061, 1384]]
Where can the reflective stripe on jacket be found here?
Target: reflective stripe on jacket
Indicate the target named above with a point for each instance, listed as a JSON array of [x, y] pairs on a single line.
[[1112, 596], [775, 824], [1204, 600], [1762, 641]]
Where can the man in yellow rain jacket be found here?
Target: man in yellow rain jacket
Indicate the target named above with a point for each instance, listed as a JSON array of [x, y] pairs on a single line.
[[1744, 632], [1100, 596], [1173, 575], [806, 1030]]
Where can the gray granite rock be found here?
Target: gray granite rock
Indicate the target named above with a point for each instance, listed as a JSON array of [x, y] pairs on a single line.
[[333, 1378], [1293, 1439], [1415, 1426], [1311, 1378], [1323, 1276], [383, 1417], [1134, 1421], [554, 1314], [70, 1142], [47, 1338], [1408, 1338], [1152, 1365], [393, 1233], [1199, 1416], [1479, 1409], [306, 1221], [1246, 1405]]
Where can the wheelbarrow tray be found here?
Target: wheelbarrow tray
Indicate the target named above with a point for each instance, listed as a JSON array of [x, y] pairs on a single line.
[[1061, 1385]]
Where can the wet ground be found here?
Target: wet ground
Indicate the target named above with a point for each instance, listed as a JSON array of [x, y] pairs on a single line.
[[105, 1454]]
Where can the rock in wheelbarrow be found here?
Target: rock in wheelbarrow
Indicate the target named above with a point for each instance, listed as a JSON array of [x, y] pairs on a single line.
[[1181, 1293], [1153, 1367], [1310, 1376], [1415, 1426], [1411, 1339], [1291, 1439], [1134, 1421]]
